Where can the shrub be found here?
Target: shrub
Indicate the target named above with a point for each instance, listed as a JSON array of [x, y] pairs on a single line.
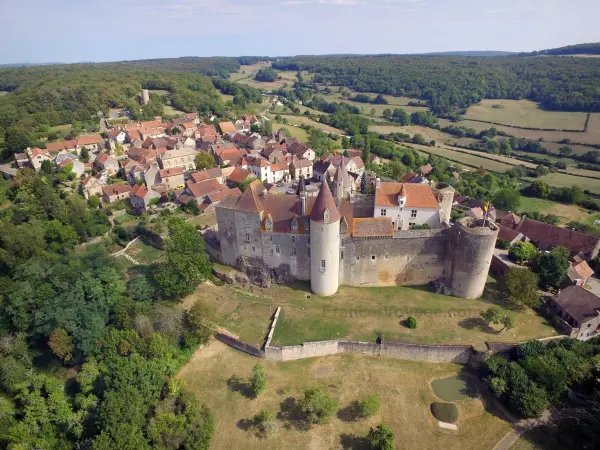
[[318, 406], [263, 422], [369, 405], [522, 252], [502, 244], [381, 438], [411, 322], [444, 412], [258, 381]]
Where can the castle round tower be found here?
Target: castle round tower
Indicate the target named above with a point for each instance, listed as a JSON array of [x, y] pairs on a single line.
[[471, 248], [324, 243]]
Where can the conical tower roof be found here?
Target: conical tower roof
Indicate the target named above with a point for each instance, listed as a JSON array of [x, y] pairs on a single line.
[[342, 175], [323, 202], [301, 185]]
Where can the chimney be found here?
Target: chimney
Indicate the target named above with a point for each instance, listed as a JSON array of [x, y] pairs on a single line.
[[303, 203], [377, 183]]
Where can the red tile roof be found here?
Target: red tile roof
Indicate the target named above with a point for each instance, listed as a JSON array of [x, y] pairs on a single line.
[[583, 269], [138, 190], [227, 127], [373, 227], [205, 174], [205, 187], [165, 173], [548, 236], [116, 189], [417, 195], [239, 175], [426, 169], [324, 202], [61, 145], [89, 140]]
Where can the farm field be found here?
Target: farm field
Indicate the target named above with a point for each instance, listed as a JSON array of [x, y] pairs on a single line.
[[428, 133], [296, 132], [399, 102], [361, 314], [403, 386], [565, 180], [525, 113], [592, 136], [566, 213], [159, 91], [577, 149], [467, 159], [286, 78], [303, 120]]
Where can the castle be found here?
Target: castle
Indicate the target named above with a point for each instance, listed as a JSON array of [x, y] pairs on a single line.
[[342, 238]]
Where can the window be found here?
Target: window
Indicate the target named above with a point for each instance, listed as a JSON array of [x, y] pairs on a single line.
[[253, 249], [308, 240], [271, 239], [272, 251], [383, 212], [308, 251], [293, 239], [322, 265], [358, 258], [413, 214], [373, 258], [411, 225], [342, 255], [247, 237], [293, 251], [268, 224], [294, 225], [326, 215], [277, 249], [387, 256]]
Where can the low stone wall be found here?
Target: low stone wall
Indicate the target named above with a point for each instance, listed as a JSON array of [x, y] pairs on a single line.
[[399, 350], [238, 344]]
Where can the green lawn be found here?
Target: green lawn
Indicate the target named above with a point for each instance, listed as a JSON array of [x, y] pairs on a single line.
[[403, 387], [361, 314], [144, 253], [566, 213], [540, 438], [297, 132]]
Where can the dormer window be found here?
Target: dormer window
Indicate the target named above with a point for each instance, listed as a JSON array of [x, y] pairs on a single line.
[[326, 216], [343, 226], [268, 224], [294, 224]]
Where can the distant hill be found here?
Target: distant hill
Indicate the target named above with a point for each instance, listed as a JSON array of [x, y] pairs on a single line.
[[470, 53], [592, 48], [30, 64]]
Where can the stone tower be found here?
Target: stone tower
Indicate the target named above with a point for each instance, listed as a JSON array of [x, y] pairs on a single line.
[[470, 251], [342, 183], [145, 97], [324, 244]]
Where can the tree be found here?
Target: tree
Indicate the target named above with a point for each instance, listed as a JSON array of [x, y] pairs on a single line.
[[520, 287], [266, 74], [565, 151], [94, 201], [411, 322], [185, 263], [366, 152], [507, 199], [369, 406], [493, 315], [381, 438], [318, 406], [47, 167], [60, 344], [204, 160], [498, 386], [258, 381], [263, 422], [508, 322], [198, 320], [523, 252], [552, 266], [363, 183]]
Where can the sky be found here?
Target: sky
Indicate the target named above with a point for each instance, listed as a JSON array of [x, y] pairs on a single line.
[[34, 31]]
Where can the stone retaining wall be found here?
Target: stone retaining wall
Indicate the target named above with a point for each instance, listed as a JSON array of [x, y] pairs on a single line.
[[238, 344]]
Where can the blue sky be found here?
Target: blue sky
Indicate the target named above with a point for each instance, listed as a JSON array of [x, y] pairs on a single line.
[[114, 30]]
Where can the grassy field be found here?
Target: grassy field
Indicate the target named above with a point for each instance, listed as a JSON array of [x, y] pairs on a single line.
[[540, 438], [469, 159], [65, 127], [303, 120], [564, 180], [285, 78], [3, 93], [403, 386], [525, 113], [209, 219], [428, 133], [555, 146], [143, 253], [566, 213], [393, 102], [360, 314], [297, 132], [159, 91]]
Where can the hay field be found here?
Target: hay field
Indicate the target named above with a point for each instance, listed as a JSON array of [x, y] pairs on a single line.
[[403, 386], [525, 113], [564, 180], [577, 149], [566, 213], [394, 102], [428, 133], [285, 78], [296, 132], [468, 159], [303, 120]]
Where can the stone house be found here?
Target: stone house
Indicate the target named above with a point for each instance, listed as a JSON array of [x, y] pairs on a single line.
[[579, 272], [227, 127], [182, 158], [115, 192], [579, 312], [238, 176], [323, 170], [78, 168], [140, 197], [406, 204], [301, 167], [118, 136], [207, 174], [172, 178], [92, 142], [301, 151], [91, 185], [37, 156], [106, 162]]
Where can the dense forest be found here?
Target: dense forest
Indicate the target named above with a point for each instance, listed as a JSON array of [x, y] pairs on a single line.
[[578, 49], [451, 84]]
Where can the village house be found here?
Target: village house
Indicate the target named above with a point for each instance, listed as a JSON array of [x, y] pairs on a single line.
[[151, 175], [260, 168], [55, 147], [206, 132], [172, 178], [301, 151], [211, 200], [301, 167], [207, 174], [197, 191], [22, 160], [280, 172], [77, 167], [229, 156], [117, 136], [92, 142], [238, 176], [407, 204], [37, 156], [91, 185], [115, 192], [323, 170], [579, 272], [227, 127], [182, 158], [107, 162], [579, 312], [140, 197]]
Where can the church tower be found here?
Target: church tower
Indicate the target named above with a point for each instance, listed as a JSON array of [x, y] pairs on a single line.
[[324, 244]]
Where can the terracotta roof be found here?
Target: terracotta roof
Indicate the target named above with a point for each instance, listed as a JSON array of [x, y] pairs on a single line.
[[205, 174], [301, 163], [359, 162], [508, 218], [283, 165], [102, 158], [89, 140], [508, 234], [546, 236], [205, 187], [165, 173], [39, 151], [258, 162], [139, 190], [115, 189], [297, 148], [373, 226], [426, 169], [408, 176], [250, 200], [583, 269], [217, 196], [206, 130], [325, 202], [417, 195], [239, 175], [227, 127], [579, 303], [61, 145]]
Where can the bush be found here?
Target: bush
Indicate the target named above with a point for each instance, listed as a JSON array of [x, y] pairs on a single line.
[[263, 422], [523, 252], [258, 381], [369, 405], [502, 244], [411, 322], [381, 438], [318, 406], [444, 412]]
